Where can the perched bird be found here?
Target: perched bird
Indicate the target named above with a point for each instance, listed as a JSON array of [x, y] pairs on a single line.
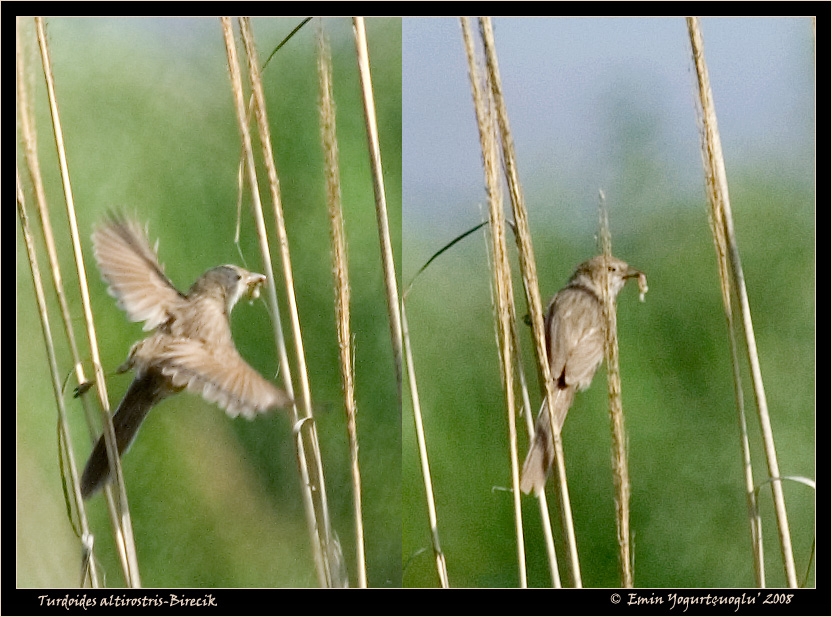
[[575, 343], [190, 347]]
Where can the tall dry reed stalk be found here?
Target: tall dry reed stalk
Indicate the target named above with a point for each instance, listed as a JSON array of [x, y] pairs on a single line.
[[733, 285], [316, 507], [116, 495], [503, 295], [340, 274], [620, 468]]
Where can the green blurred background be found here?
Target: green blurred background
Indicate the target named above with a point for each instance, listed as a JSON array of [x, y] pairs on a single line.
[[606, 103], [150, 128]]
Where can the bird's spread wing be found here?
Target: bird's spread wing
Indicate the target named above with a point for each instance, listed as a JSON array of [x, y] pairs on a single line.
[[130, 266], [221, 376]]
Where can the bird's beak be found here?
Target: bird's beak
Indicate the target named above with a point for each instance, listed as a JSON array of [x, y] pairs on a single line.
[[632, 273], [253, 283]]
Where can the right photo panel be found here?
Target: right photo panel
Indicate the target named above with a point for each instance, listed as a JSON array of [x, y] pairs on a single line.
[[609, 307]]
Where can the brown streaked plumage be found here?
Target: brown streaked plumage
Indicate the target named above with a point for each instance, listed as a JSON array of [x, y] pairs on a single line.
[[191, 345], [575, 344]]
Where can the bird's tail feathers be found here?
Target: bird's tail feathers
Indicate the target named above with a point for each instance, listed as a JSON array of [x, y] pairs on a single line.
[[141, 396], [541, 452]]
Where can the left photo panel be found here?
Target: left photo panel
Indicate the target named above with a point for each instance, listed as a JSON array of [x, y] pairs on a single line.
[[208, 356]]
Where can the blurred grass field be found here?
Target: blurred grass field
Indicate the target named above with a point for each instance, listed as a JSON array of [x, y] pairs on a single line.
[[688, 507]]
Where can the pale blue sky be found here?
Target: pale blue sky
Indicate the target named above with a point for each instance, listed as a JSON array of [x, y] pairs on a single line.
[[575, 87]]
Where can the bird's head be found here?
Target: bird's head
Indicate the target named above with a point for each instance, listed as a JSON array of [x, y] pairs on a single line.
[[230, 283], [592, 273]]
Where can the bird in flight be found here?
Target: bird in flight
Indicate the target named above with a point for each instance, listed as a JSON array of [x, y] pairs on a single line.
[[190, 346]]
